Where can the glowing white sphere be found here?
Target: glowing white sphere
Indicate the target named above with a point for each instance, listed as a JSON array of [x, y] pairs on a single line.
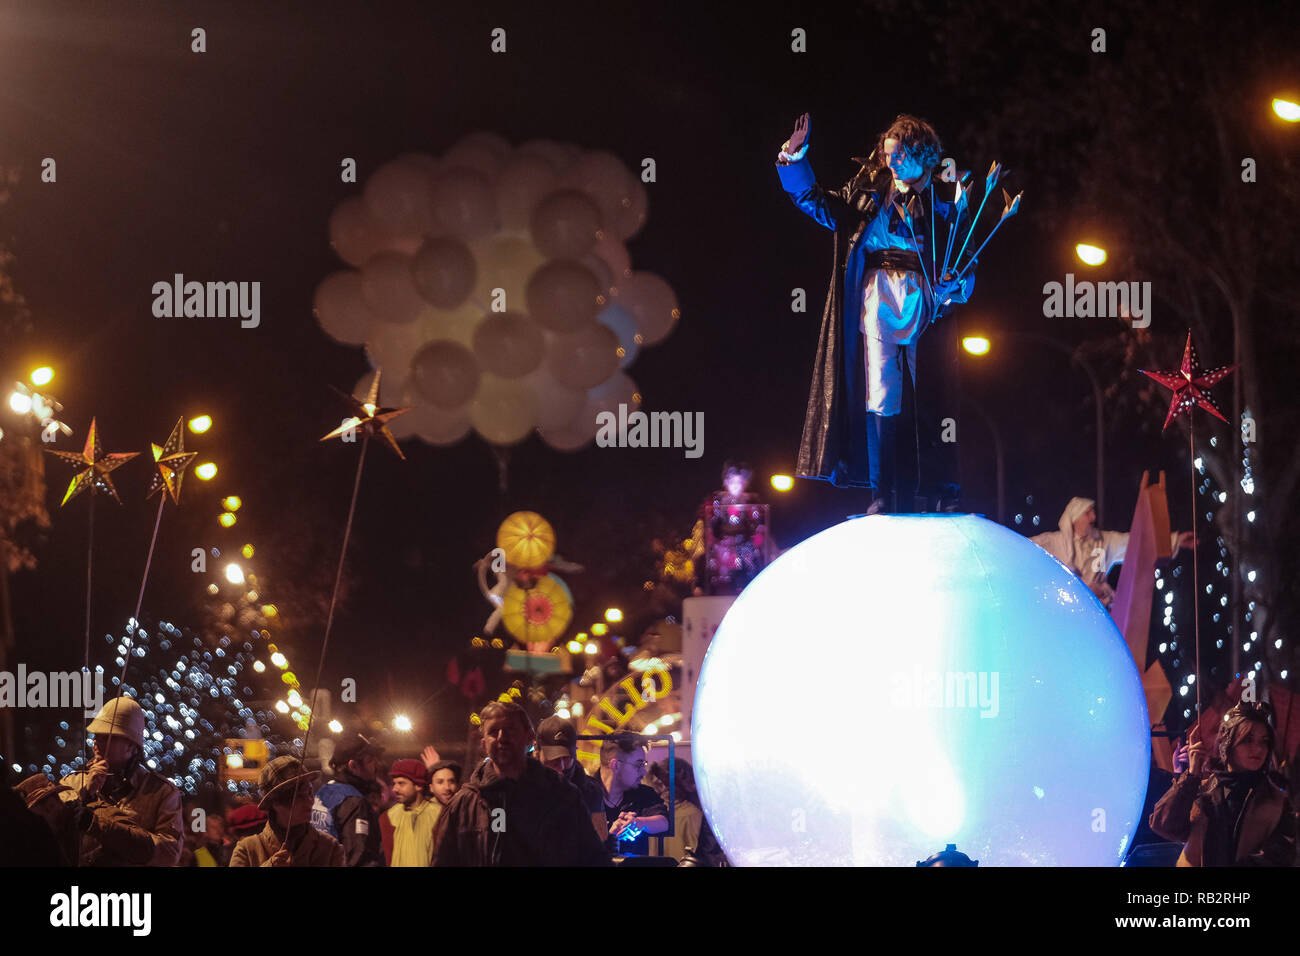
[[954, 684]]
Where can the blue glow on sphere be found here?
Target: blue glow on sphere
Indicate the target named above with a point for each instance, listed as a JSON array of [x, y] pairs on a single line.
[[896, 683]]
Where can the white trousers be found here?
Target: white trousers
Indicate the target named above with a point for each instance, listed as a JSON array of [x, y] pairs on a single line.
[[885, 374]]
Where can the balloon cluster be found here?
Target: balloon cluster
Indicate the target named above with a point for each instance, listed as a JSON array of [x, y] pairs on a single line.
[[493, 287]]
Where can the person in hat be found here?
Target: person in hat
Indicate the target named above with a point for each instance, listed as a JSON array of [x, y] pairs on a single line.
[[513, 811], [343, 808], [135, 815], [557, 742], [288, 839], [414, 815], [1226, 810]]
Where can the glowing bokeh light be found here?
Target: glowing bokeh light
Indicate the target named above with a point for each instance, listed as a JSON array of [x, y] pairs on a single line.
[[600, 629], [231, 502], [782, 482], [206, 471], [402, 723], [336, 727], [226, 519], [42, 376], [200, 424], [247, 551], [998, 740], [20, 403], [613, 615], [1286, 109], [975, 344], [1089, 254], [234, 573]]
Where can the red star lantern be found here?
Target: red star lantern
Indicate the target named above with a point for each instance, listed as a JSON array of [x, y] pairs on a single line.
[[1190, 385]]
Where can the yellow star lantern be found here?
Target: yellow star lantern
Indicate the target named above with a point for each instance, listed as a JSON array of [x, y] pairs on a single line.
[[171, 460], [368, 418], [527, 539], [97, 465]]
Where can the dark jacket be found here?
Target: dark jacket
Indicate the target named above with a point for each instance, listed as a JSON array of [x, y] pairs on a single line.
[[1195, 812], [537, 820], [310, 847], [341, 810], [593, 794], [833, 446]]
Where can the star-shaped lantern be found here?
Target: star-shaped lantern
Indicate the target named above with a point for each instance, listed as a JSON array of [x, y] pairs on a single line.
[[368, 418], [1190, 385], [171, 461], [97, 465]]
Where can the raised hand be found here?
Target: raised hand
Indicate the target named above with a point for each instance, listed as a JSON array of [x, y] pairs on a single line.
[[430, 757], [1195, 750], [96, 774], [802, 131]]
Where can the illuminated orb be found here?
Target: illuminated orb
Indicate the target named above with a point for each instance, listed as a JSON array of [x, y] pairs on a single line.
[[956, 684]]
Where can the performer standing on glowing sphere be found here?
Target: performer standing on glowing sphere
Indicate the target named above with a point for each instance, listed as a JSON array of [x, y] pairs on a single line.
[[890, 283]]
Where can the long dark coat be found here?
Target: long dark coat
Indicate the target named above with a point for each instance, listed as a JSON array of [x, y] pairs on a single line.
[[834, 446]]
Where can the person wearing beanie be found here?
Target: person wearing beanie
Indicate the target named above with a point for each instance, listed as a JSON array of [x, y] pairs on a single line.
[[288, 839], [1226, 809], [135, 815], [414, 816]]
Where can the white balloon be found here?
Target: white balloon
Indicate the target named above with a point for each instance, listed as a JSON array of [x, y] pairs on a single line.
[[508, 344], [548, 149], [503, 411], [565, 224], [355, 235], [503, 263], [563, 296], [618, 389], [399, 196], [585, 358], [389, 288], [434, 425], [573, 435], [444, 272], [605, 178], [652, 301], [445, 374], [556, 404], [464, 203], [614, 254], [475, 156], [630, 216], [623, 324], [522, 184], [456, 325], [340, 309]]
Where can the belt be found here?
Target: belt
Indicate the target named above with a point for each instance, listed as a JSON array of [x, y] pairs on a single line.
[[899, 259]]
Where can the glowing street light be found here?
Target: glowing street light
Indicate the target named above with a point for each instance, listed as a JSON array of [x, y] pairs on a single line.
[[1287, 110], [226, 519], [336, 727], [613, 615], [782, 482], [1091, 255], [402, 723], [975, 344], [234, 573], [206, 471], [200, 424], [42, 376], [234, 761], [231, 502], [20, 403]]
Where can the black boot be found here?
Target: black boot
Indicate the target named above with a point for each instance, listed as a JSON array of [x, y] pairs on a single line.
[[881, 445]]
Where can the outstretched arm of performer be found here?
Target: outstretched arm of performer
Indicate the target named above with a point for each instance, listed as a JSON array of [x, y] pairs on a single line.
[[823, 205]]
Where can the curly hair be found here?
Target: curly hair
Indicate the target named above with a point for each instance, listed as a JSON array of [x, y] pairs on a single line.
[[916, 136]]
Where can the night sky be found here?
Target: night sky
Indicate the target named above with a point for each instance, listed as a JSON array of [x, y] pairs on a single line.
[[225, 166]]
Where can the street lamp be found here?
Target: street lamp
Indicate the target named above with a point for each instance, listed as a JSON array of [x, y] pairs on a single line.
[[782, 482], [1287, 109], [1090, 254], [200, 424], [206, 471], [42, 376]]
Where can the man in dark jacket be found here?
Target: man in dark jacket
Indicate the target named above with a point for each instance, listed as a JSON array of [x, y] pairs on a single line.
[[342, 807], [513, 811], [888, 222], [557, 742]]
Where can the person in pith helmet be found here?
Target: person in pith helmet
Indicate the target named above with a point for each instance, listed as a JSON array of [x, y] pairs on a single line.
[[288, 839], [135, 815]]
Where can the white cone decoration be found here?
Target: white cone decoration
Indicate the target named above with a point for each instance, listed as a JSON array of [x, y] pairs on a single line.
[[494, 288]]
